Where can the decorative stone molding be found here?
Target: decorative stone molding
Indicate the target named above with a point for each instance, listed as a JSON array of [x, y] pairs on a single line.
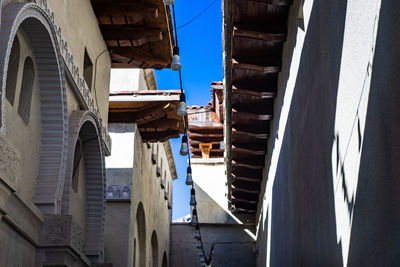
[[83, 123], [9, 163], [83, 92], [118, 193], [61, 230], [53, 151]]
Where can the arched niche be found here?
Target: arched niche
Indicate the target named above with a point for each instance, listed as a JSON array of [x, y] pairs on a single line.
[[141, 228], [164, 260], [85, 129], [54, 117], [154, 249]]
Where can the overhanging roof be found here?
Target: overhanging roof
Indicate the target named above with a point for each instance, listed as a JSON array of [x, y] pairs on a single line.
[[138, 33], [254, 34], [154, 112], [205, 125]]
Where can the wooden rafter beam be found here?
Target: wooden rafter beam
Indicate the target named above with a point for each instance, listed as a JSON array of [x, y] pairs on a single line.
[[259, 68], [161, 125], [249, 152], [239, 92], [249, 135], [159, 136], [252, 34], [236, 199], [247, 166], [246, 116], [137, 36], [244, 190], [136, 11], [242, 210], [139, 55], [272, 2], [247, 179], [205, 128], [195, 143], [205, 135]]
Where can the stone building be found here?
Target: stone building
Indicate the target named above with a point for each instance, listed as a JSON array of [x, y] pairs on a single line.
[[55, 61], [230, 240], [312, 88], [140, 170]]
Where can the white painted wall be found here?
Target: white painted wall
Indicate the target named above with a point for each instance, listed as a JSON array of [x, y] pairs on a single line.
[[127, 80], [362, 17]]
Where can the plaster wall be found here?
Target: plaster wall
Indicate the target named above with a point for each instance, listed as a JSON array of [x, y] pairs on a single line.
[[232, 245], [23, 135], [127, 80], [319, 138], [20, 219], [80, 28], [131, 164], [210, 185]]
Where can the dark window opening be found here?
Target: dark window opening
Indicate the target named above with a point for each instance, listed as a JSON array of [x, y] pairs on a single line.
[[12, 71], [88, 70], [25, 97]]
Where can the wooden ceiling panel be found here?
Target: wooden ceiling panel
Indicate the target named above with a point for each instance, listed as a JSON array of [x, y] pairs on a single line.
[[258, 32], [142, 26]]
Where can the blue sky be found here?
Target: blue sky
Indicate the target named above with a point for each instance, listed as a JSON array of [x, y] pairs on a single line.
[[200, 45]]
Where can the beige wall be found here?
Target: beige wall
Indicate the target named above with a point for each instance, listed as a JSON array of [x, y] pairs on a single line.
[[21, 135], [20, 219], [146, 189], [79, 26], [151, 195]]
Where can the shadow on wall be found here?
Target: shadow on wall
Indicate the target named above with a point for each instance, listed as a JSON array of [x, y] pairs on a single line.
[[375, 236], [303, 226]]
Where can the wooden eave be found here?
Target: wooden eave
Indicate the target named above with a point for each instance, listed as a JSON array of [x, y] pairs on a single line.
[[154, 112], [138, 33], [254, 35]]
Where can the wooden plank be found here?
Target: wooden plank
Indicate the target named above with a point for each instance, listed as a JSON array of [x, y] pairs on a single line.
[[136, 11], [139, 55], [162, 125], [239, 116], [259, 68], [245, 190], [275, 37], [236, 199], [238, 92], [249, 151], [245, 135], [159, 136], [271, 2], [138, 36], [247, 166], [247, 179]]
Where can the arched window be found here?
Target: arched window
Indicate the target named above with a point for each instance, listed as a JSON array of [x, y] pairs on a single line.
[[25, 98], [12, 71], [77, 159], [141, 227], [134, 252], [164, 260], [154, 249]]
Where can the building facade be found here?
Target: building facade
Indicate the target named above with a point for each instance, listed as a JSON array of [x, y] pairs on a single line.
[[53, 135], [55, 64], [327, 187], [139, 179]]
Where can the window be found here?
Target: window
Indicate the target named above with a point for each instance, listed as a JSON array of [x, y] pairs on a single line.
[[88, 70], [77, 160], [12, 71], [25, 98]]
